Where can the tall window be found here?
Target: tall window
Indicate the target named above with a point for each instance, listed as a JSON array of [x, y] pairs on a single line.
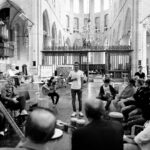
[[67, 22], [76, 24], [97, 24], [106, 22], [67, 5], [106, 4], [76, 6], [97, 6], [86, 6]]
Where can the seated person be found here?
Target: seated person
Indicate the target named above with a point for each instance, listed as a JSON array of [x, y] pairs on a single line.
[[39, 131], [13, 73], [98, 134], [50, 89], [139, 83], [12, 100], [127, 92], [107, 92], [142, 100], [142, 139]]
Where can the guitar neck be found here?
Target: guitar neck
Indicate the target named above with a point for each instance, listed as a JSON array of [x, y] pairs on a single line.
[[11, 121]]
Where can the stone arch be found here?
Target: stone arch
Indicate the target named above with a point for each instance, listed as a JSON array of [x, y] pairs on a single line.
[[77, 43], [54, 36], [46, 30]]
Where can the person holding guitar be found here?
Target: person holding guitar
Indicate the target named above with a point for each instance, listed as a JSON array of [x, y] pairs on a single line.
[[50, 89]]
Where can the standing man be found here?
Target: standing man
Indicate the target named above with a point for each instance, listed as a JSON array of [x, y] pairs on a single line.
[[140, 74], [76, 77]]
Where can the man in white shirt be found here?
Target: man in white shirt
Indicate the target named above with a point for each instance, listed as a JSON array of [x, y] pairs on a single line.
[[76, 78]]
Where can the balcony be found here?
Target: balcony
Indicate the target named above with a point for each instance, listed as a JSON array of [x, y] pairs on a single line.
[[6, 49]]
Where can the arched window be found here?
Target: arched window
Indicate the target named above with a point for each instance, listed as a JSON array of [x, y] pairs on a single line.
[[67, 5], [97, 6], [106, 4], [76, 6], [76, 24], [67, 22], [97, 24], [86, 6], [105, 22]]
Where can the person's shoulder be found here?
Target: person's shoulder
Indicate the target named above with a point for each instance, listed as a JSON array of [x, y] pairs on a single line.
[[80, 72], [80, 131]]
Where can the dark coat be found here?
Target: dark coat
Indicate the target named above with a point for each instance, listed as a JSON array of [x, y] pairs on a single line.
[[99, 135], [102, 93]]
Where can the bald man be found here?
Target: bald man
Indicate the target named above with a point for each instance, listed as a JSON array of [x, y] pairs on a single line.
[[39, 129], [99, 133]]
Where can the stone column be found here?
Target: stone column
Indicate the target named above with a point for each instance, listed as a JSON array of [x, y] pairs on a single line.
[[81, 19], [92, 19], [144, 51]]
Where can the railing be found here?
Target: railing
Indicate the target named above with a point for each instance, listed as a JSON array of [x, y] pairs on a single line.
[[87, 48], [6, 49]]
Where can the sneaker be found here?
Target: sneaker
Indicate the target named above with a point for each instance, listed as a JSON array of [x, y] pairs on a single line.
[[2, 133], [24, 112], [81, 114], [5, 130], [74, 114]]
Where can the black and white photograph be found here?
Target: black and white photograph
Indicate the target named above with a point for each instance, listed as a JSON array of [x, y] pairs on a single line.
[[74, 74]]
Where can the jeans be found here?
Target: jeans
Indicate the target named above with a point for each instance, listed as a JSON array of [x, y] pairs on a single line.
[[14, 106], [79, 93], [52, 95]]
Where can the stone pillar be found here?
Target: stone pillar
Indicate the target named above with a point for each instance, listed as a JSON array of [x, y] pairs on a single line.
[[102, 5], [81, 19], [144, 51], [92, 19]]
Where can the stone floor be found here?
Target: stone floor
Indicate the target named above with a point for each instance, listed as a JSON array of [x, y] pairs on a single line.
[[62, 111]]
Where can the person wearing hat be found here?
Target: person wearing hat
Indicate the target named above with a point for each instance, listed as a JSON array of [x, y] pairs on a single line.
[[98, 134], [140, 74]]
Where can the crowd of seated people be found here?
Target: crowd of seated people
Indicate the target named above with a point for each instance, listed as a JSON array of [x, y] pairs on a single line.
[[131, 101]]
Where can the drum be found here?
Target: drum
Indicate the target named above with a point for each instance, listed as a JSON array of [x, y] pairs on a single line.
[[57, 134], [116, 116], [73, 121], [80, 123], [62, 125]]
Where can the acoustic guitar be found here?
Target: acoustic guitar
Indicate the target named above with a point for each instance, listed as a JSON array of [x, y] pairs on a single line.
[[45, 90], [12, 122]]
